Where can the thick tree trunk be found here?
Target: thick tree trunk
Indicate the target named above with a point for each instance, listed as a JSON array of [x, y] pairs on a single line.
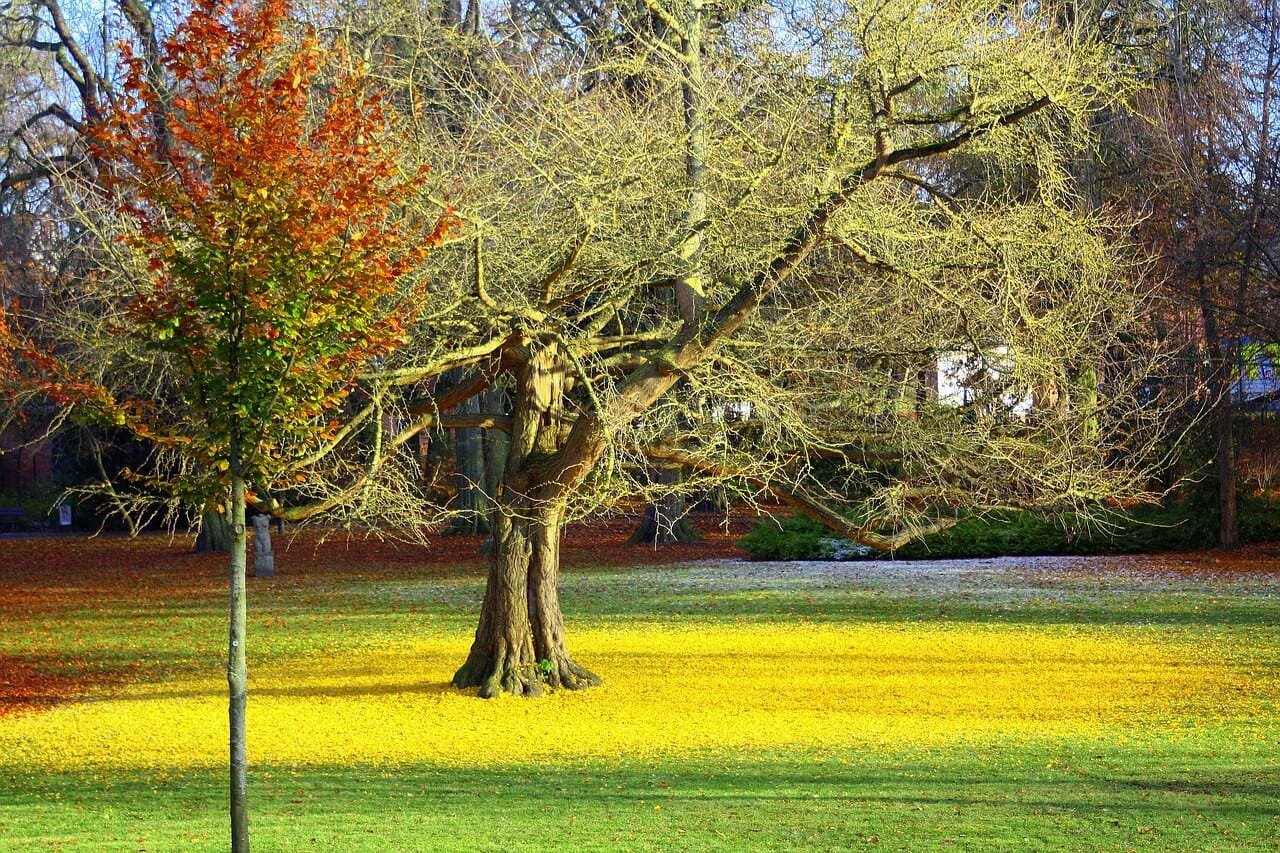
[[237, 671], [502, 658], [215, 534], [666, 520], [546, 620], [520, 641]]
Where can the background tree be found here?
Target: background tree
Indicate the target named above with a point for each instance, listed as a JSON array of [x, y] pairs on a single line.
[[1205, 168], [68, 55]]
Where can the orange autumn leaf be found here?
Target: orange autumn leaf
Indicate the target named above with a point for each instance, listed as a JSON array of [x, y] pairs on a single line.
[[266, 209]]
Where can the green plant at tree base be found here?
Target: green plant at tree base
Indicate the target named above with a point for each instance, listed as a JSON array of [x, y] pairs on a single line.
[[545, 668]]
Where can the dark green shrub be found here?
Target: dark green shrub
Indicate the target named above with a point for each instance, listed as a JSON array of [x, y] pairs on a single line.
[[792, 538], [1190, 522], [40, 503]]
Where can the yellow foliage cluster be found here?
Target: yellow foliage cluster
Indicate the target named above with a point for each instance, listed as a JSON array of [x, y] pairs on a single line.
[[668, 690]]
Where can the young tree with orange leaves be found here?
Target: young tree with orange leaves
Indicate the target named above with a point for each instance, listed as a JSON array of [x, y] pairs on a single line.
[[258, 204]]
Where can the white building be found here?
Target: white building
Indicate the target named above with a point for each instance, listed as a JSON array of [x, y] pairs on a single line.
[[962, 375]]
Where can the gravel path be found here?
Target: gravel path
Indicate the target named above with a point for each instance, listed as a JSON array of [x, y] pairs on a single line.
[[1017, 577]]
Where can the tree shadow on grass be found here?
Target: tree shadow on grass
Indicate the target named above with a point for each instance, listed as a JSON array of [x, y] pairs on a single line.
[[319, 691], [721, 798]]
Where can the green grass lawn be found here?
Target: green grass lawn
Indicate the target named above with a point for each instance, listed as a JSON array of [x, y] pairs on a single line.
[[1180, 779], [1205, 793]]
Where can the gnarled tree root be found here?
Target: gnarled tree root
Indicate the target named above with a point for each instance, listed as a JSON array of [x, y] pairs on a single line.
[[495, 676], [567, 675]]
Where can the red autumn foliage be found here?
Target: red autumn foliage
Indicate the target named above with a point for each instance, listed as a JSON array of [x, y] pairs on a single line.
[[25, 368], [265, 195]]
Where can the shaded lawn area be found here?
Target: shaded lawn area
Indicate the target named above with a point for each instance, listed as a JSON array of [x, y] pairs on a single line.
[[1085, 796], [1085, 704]]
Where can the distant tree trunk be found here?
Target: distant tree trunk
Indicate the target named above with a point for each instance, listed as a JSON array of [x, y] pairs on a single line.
[[1220, 359], [1229, 534], [1087, 174], [926, 385], [666, 521], [494, 402], [1084, 398], [469, 475], [520, 641], [479, 457], [452, 15], [1197, 137], [1225, 465], [215, 534]]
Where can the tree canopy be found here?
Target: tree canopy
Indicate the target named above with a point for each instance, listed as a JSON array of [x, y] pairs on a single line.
[[750, 264], [742, 242]]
